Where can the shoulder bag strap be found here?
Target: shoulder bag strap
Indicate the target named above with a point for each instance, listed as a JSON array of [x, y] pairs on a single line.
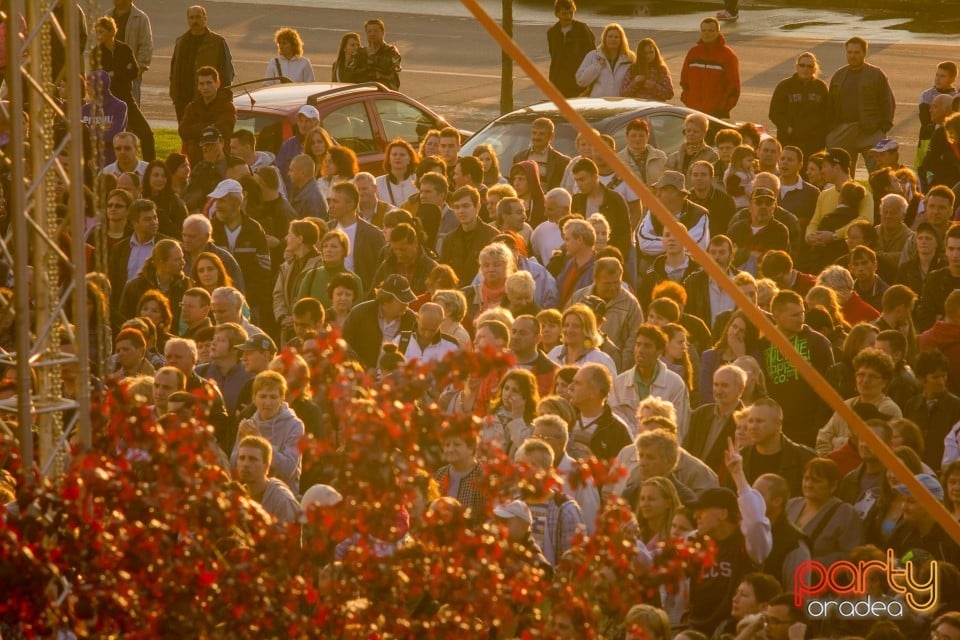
[[823, 523], [276, 62]]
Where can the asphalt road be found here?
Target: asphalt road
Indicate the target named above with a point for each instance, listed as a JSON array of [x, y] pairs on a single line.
[[451, 64]]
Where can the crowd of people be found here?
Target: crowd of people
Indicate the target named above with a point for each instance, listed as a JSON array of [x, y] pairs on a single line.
[[219, 269]]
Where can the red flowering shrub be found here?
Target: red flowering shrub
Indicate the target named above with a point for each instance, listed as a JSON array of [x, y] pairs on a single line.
[[146, 537]]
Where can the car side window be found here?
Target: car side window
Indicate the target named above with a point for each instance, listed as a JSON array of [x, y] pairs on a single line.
[[350, 126], [666, 131], [405, 121]]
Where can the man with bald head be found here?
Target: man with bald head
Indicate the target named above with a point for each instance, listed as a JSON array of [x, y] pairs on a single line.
[[167, 380], [427, 343], [196, 48], [305, 196], [712, 423], [939, 165]]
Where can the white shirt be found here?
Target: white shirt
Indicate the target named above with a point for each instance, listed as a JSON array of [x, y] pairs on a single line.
[[629, 195], [395, 194], [546, 239], [297, 69], [113, 170], [351, 232]]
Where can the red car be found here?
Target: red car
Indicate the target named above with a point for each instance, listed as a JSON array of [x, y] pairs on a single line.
[[364, 117]]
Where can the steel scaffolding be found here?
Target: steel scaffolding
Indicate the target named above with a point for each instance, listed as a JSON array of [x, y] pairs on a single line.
[[49, 281]]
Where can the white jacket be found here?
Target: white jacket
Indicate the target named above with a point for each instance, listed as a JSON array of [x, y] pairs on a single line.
[[595, 72], [666, 386]]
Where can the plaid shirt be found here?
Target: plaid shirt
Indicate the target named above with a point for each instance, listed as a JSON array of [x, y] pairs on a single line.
[[470, 492]]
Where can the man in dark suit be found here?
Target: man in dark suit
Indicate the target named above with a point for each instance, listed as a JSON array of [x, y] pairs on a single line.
[[711, 424], [366, 240], [550, 161], [374, 322], [128, 255]]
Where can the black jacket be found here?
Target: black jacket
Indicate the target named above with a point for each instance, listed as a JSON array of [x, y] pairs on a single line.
[[252, 254], [801, 111], [461, 249], [610, 437], [935, 422], [656, 274], [940, 165], [556, 163], [418, 283], [719, 206], [937, 287], [614, 209], [793, 457], [117, 266], [366, 250], [700, 421], [698, 295], [566, 54], [362, 331]]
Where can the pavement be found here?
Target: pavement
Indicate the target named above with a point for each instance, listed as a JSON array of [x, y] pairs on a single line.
[[452, 65]]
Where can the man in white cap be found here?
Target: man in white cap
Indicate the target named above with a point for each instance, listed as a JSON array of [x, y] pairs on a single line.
[[886, 154], [308, 119], [516, 520], [243, 237], [672, 191]]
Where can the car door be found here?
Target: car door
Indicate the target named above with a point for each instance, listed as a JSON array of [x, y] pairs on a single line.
[[399, 119]]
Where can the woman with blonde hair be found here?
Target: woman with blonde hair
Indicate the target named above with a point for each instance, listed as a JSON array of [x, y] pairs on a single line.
[[496, 265], [756, 380], [289, 62], [649, 77], [603, 70], [454, 305], [580, 340], [646, 622], [657, 502], [334, 248]]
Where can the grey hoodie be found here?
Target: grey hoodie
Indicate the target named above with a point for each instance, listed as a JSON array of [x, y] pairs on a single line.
[[284, 432]]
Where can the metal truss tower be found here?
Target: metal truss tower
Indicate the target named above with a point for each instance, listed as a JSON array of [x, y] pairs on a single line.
[[44, 246]]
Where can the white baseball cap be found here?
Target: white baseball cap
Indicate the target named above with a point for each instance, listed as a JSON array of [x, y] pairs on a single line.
[[226, 187], [309, 111], [514, 509]]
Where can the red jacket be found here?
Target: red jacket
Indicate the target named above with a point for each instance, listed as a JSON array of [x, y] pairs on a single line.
[[945, 337], [856, 310], [710, 79]]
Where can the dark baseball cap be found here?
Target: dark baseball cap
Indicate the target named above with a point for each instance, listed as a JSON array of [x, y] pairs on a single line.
[[258, 342], [762, 193], [398, 286], [210, 135], [718, 498], [836, 155]]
